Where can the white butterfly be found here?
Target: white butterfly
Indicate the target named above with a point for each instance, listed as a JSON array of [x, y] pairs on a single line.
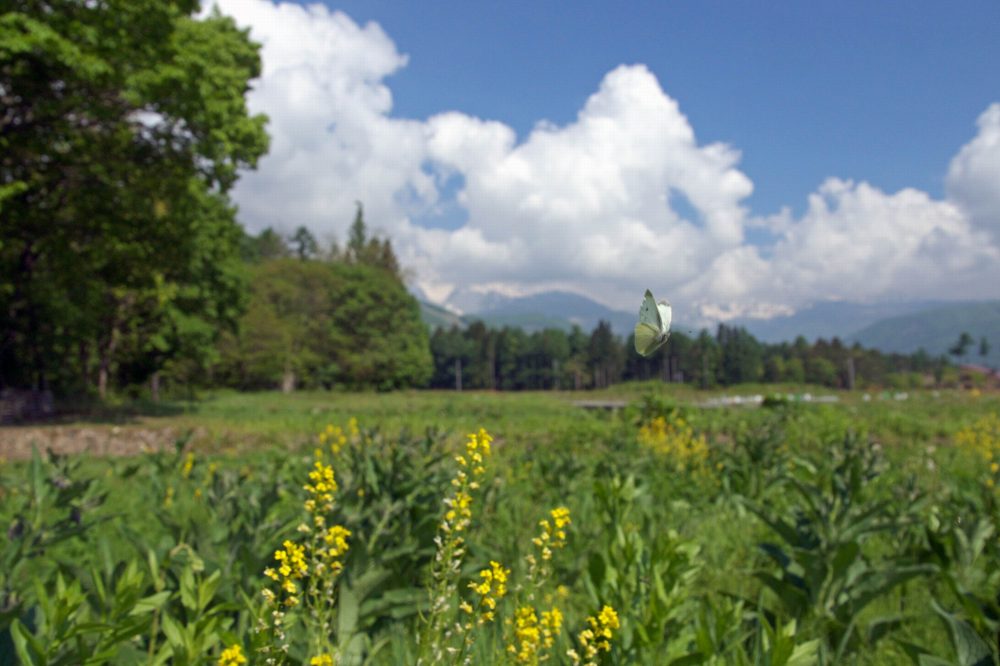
[[653, 328]]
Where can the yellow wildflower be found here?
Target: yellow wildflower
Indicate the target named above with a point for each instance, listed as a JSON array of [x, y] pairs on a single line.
[[188, 465], [597, 637], [492, 588], [321, 660], [232, 656], [533, 637], [677, 442], [553, 533], [982, 439]]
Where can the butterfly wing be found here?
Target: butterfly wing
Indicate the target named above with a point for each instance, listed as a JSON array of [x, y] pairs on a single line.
[[666, 315], [650, 331], [648, 312], [647, 338]]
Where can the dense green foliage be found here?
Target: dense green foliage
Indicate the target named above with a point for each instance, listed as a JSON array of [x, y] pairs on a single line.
[[793, 534], [508, 358], [123, 126], [324, 324]]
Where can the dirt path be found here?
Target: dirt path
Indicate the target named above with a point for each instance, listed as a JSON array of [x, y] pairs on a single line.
[[103, 440]]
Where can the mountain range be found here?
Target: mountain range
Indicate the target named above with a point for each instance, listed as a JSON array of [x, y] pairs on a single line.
[[937, 329], [551, 309]]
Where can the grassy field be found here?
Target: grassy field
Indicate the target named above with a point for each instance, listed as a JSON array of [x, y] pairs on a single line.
[[219, 420], [293, 528]]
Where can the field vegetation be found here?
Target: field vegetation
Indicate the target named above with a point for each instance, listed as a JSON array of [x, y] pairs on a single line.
[[516, 528]]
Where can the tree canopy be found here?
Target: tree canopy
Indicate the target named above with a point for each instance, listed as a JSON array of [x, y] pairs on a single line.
[[326, 324], [510, 358], [123, 126]]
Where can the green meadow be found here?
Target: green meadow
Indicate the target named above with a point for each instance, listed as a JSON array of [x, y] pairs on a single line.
[[648, 528]]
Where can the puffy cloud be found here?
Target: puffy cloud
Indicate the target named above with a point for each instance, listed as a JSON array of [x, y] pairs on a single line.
[[589, 203], [621, 198], [858, 243], [973, 180], [333, 141]]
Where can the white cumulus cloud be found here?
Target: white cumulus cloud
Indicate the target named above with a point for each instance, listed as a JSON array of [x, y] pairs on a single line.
[[974, 175], [622, 198], [333, 141], [857, 243]]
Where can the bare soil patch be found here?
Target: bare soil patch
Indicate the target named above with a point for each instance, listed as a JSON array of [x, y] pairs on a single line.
[[101, 440]]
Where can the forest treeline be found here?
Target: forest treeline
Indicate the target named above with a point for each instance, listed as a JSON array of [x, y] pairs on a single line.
[[341, 317], [123, 129], [510, 359]]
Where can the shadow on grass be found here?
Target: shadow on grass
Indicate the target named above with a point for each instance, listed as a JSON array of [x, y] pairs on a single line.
[[86, 411]]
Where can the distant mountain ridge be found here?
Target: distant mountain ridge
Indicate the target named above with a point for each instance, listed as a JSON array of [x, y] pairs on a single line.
[[828, 320], [551, 309], [937, 329]]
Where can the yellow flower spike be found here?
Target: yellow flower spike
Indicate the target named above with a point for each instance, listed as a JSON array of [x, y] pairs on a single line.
[[188, 465], [598, 637], [609, 618], [232, 656], [321, 660]]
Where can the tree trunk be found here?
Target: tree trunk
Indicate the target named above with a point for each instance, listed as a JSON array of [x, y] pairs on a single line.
[[104, 369], [154, 386], [288, 381], [106, 351]]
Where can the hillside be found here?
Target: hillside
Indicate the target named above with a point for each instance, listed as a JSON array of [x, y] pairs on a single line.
[[937, 329], [435, 316], [828, 320], [551, 309]]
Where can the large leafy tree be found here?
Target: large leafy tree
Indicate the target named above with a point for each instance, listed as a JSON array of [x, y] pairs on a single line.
[[123, 125], [314, 323]]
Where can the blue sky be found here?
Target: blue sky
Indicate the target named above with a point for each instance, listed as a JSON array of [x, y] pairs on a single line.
[[743, 159], [875, 91]]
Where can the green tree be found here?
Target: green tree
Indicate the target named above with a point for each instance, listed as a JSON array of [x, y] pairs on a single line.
[[305, 244], [313, 323], [795, 371], [821, 371], [370, 250], [961, 346], [451, 351], [774, 368], [266, 245], [741, 355], [512, 343], [124, 126], [605, 355], [701, 365], [357, 238]]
